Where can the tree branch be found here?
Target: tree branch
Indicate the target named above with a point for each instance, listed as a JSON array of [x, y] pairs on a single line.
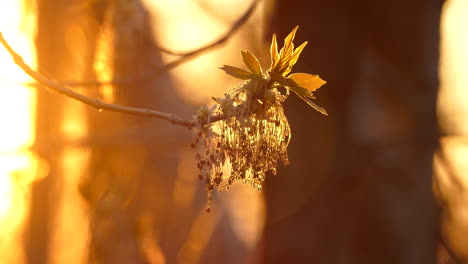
[[96, 103], [184, 56], [194, 53], [61, 88]]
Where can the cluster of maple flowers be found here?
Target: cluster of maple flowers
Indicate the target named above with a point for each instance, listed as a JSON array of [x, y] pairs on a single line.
[[254, 132]]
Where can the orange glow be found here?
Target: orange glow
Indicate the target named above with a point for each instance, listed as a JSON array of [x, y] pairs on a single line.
[[246, 211], [452, 108], [451, 176], [198, 237], [453, 64], [101, 65], [18, 166], [186, 25], [71, 234]]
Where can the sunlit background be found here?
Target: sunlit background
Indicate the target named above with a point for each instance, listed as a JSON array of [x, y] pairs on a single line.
[[182, 26], [18, 166], [453, 117]]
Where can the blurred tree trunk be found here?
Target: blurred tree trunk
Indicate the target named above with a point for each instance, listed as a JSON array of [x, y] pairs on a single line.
[[63, 56], [359, 187], [128, 181], [134, 159]]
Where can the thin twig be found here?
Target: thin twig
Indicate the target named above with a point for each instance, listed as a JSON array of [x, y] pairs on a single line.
[[194, 53], [96, 103], [184, 56]]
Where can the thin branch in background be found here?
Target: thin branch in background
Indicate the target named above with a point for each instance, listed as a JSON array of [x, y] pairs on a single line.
[[96, 103], [198, 51], [184, 56], [208, 7], [61, 87]]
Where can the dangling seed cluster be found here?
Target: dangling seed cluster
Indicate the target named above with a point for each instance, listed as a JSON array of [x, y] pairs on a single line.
[[248, 143], [254, 132]]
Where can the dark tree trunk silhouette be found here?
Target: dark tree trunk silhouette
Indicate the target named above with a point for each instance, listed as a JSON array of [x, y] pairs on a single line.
[[359, 187]]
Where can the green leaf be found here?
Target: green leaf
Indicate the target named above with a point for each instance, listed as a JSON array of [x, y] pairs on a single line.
[[251, 62], [308, 81], [236, 72]]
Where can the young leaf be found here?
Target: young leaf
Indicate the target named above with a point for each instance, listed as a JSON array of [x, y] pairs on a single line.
[[251, 63], [274, 52], [289, 38], [283, 64], [307, 81], [312, 104], [294, 57], [300, 91], [288, 48], [236, 72], [276, 77]]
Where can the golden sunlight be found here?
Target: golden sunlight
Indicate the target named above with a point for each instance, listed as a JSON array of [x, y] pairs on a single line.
[[453, 64], [452, 108], [451, 175], [184, 26], [187, 25], [18, 166]]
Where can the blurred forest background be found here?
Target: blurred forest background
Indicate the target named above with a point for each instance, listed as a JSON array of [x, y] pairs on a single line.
[[382, 179]]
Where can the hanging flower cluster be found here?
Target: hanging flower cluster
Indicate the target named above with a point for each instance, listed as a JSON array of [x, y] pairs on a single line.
[[254, 132]]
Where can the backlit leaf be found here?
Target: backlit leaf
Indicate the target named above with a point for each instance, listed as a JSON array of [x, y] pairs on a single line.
[[288, 48], [276, 77], [290, 37], [308, 81], [300, 91], [236, 72], [251, 62], [274, 52], [312, 104], [287, 56], [294, 57], [283, 64]]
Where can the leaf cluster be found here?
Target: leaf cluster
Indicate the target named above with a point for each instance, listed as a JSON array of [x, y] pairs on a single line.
[[302, 84]]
